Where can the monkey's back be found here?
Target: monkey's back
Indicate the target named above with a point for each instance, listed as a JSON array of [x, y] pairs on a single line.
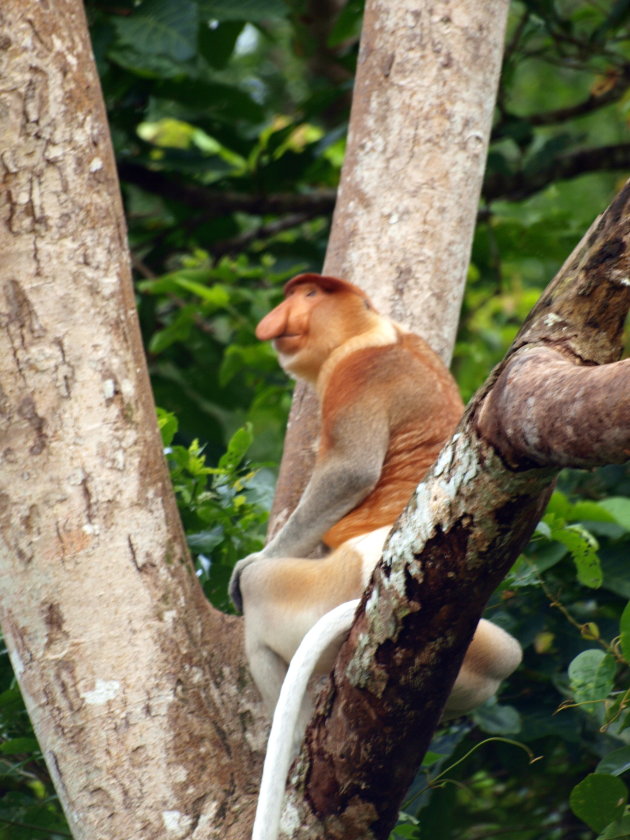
[[410, 384]]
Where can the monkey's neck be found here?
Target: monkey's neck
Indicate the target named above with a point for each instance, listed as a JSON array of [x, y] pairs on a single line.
[[382, 333]]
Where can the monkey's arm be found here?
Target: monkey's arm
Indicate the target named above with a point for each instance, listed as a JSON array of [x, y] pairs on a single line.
[[335, 488], [353, 445], [348, 466]]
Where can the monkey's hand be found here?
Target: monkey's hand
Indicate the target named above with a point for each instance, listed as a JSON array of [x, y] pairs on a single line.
[[234, 587]]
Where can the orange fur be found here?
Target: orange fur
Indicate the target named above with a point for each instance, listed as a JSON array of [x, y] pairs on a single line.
[[423, 406]]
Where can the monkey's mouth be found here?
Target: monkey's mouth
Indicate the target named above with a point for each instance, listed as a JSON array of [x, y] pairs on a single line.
[[287, 342]]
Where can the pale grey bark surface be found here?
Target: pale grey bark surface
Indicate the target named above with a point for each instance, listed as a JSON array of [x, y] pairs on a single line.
[[425, 89], [134, 684], [421, 117]]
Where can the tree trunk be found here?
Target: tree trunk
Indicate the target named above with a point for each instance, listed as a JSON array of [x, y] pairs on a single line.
[[134, 684], [421, 116]]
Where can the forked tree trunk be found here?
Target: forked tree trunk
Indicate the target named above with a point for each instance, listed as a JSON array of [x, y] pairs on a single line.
[[135, 686]]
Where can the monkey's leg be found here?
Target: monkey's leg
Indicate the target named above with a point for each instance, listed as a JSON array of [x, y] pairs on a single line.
[[491, 657]]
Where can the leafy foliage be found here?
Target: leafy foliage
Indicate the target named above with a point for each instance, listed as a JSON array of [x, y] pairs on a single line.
[[228, 120], [223, 508]]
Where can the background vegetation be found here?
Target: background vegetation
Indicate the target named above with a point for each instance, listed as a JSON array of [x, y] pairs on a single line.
[[229, 123]]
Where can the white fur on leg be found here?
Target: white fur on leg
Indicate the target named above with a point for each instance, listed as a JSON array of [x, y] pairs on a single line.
[[330, 626]]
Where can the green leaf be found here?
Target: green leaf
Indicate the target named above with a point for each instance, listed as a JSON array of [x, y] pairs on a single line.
[[178, 330], [583, 548], [215, 295], [406, 828], [216, 44], [496, 719], [239, 357], [619, 509], [598, 800], [222, 101], [591, 675], [167, 133], [615, 564], [16, 746], [249, 10], [616, 762], [593, 511], [204, 541], [166, 28], [624, 630], [559, 505], [348, 23], [237, 447], [431, 758], [617, 830], [167, 424], [171, 283]]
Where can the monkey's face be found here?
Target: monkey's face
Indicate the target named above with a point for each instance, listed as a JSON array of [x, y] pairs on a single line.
[[288, 324], [313, 320], [295, 331]]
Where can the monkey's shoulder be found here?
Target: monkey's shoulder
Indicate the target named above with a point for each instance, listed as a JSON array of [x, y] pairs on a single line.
[[409, 359]]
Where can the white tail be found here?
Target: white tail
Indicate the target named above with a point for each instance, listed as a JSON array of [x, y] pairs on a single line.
[[283, 734]]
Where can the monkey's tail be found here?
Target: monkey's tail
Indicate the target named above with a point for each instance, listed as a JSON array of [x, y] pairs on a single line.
[[330, 626]]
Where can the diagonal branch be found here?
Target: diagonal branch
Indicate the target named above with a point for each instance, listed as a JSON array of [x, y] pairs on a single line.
[[518, 185], [497, 186], [218, 202], [461, 532], [618, 79]]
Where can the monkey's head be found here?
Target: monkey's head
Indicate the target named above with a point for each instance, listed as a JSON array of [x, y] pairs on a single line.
[[318, 314]]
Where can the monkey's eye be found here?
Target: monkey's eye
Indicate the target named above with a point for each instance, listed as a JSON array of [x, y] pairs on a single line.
[[312, 293]]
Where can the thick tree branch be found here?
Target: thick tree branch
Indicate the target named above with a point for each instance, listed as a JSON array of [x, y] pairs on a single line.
[[462, 530], [136, 686], [583, 419]]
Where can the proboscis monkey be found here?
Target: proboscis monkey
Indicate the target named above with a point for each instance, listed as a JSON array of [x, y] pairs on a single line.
[[387, 405]]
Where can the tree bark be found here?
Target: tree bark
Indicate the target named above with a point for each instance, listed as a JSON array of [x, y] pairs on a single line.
[[420, 123], [137, 688], [560, 398]]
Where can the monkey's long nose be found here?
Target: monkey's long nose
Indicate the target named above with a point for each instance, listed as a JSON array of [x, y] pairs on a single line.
[[274, 323]]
